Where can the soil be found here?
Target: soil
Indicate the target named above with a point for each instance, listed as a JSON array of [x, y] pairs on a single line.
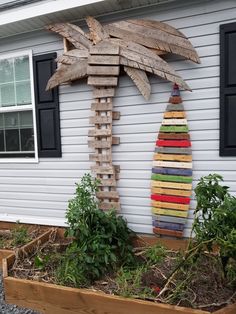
[[19, 236], [200, 284]]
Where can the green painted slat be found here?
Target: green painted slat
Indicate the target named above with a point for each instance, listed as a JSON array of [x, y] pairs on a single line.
[[174, 128], [170, 178]]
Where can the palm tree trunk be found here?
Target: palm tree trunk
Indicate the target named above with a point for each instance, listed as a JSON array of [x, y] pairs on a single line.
[[103, 73]]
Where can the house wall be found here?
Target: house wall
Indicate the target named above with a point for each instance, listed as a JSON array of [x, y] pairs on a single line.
[[38, 193]]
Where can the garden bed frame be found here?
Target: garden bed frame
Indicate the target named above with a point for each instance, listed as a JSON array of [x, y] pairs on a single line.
[[52, 298], [10, 226]]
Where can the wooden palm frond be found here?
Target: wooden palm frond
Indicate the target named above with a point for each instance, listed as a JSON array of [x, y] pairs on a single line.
[[142, 44]]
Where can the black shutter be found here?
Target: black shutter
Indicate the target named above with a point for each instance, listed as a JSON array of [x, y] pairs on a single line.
[[228, 89], [47, 107]]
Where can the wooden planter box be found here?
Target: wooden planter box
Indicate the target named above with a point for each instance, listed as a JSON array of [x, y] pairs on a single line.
[[9, 226], [51, 298]]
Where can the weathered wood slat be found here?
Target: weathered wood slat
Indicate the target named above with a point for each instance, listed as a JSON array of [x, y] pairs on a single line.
[[104, 48], [107, 182], [172, 171], [169, 219], [103, 169], [109, 205], [173, 136], [170, 212], [170, 198], [171, 192], [99, 132], [140, 79], [101, 106], [104, 144], [116, 115], [176, 107], [174, 114], [170, 178], [171, 164], [108, 195], [168, 225], [173, 150], [100, 120], [97, 32], [173, 233], [102, 80], [103, 92], [103, 70], [174, 122], [172, 185], [174, 129], [173, 143], [172, 157], [168, 205], [100, 157], [105, 60]]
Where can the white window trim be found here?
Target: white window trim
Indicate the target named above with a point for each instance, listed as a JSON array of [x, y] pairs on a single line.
[[5, 109]]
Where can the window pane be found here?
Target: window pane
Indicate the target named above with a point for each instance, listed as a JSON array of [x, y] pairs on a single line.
[[12, 140], [6, 71], [2, 149], [7, 95], [11, 120], [27, 139], [23, 93], [22, 68], [26, 119]]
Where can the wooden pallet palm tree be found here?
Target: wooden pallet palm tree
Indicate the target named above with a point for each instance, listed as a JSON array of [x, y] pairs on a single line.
[[138, 46]]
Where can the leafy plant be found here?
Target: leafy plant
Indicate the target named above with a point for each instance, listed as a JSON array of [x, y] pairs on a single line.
[[215, 217], [102, 240], [155, 254], [20, 236]]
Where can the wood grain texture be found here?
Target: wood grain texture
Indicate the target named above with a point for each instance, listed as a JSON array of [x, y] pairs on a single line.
[[102, 81], [173, 143], [171, 178], [114, 195], [100, 157], [140, 79], [172, 171], [101, 106], [100, 120], [174, 233], [174, 122], [173, 136], [100, 132], [170, 198], [104, 60], [109, 205], [174, 129], [171, 192], [171, 219], [168, 225], [103, 70], [103, 92], [173, 150], [172, 157], [172, 164], [171, 185], [174, 114], [103, 169], [168, 205], [170, 212], [51, 299], [97, 32]]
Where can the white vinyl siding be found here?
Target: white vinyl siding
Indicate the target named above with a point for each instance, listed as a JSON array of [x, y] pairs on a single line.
[[38, 193]]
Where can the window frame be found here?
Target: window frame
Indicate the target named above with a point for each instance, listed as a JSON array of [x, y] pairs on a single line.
[[34, 159]]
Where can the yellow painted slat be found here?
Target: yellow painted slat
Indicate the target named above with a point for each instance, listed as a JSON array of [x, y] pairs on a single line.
[[169, 212], [175, 114], [170, 205], [173, 157], [173, 185]]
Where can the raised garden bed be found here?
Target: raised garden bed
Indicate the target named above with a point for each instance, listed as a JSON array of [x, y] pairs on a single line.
[[52, 298], [14, 235]]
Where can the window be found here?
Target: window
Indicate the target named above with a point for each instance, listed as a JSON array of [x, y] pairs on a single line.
[[17, 112], [228, 89]]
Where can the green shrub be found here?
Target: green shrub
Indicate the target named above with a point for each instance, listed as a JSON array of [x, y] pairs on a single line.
[[102, 240]]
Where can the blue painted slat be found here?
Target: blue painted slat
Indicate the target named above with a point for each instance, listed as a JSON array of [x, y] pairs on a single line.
[[168, 225]]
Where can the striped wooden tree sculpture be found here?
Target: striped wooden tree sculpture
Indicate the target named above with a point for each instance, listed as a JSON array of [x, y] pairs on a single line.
[[172, 171], [138, 46]]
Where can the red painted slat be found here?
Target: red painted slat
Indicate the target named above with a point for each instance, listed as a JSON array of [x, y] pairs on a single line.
[[168, 232], [170, 198], [181, 143]]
